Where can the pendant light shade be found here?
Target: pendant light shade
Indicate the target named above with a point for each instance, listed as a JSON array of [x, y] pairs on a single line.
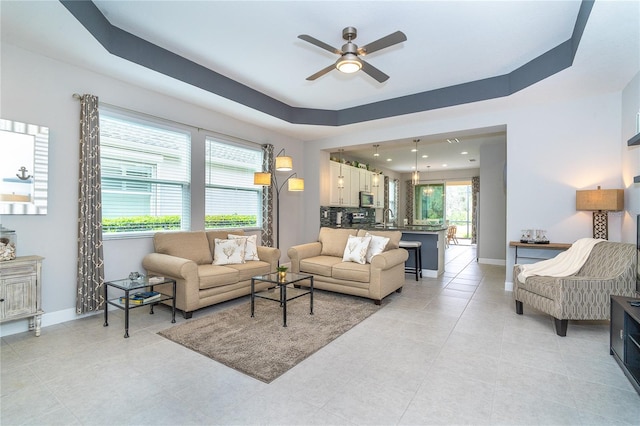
[[416, 174]]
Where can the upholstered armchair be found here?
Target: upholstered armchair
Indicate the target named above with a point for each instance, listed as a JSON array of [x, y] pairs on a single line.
[[609, 269]]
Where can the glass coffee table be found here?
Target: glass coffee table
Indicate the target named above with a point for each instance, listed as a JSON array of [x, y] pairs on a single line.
[[286, 290], [128, 285]]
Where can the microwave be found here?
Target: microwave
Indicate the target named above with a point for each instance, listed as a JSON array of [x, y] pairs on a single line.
[[366, 199]]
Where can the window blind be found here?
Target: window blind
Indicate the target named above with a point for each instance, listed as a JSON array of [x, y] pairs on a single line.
[[145, 175], [231, 198]]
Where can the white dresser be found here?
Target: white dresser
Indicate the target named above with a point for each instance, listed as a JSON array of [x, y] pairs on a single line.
[[21, 290]]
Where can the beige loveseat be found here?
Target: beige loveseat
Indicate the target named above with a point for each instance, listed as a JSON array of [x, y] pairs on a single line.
[[324, 260], [188, 258]]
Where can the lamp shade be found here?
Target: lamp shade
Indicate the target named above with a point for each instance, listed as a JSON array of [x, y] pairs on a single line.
[[284, 164], [261, 178], [600, 200], [296, 184]]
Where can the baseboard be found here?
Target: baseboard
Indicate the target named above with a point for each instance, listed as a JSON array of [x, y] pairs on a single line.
[[48, 319], [485, 261], [429, 273], [508, 286]]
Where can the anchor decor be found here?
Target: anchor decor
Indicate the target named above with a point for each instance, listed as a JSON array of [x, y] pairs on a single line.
[[23, 170]]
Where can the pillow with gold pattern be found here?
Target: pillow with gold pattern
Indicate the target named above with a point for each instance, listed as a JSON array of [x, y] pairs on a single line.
[[227, 252], [356, 249]]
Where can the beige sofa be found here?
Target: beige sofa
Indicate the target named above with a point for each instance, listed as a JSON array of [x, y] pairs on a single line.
[[323, 260], [187, 257]]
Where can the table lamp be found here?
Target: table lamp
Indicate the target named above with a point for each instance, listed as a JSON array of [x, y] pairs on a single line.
[[600, 202]]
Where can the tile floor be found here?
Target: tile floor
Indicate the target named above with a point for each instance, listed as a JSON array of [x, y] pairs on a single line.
[[445, 351]]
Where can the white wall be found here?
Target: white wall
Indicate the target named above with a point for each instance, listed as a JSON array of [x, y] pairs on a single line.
[[630, 158], [492, 205], [37, 89]]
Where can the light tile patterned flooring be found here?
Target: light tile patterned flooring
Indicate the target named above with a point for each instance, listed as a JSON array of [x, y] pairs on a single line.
[[445, 351]]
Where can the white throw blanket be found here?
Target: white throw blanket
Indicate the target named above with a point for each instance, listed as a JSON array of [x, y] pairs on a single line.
[[566, 263]]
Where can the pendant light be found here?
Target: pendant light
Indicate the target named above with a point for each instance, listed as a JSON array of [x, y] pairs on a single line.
[[416, 174], [341, 176]]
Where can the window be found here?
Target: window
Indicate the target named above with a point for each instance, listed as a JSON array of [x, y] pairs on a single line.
[[145, 175], [231, 198], [393, 197]]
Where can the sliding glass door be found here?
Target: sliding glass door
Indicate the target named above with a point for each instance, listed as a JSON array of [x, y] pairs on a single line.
[[429, 204]]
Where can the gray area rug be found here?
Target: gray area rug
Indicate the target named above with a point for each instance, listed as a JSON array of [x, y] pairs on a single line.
[[261, 347]]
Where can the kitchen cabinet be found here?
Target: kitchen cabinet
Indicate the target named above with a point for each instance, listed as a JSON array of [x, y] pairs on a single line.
[[378, 191], [343, 196], [364, 178]]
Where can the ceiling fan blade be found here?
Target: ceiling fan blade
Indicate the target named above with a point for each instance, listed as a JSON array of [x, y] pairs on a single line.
[[319, 43], [374, 72], [321, 72], [390, 40]]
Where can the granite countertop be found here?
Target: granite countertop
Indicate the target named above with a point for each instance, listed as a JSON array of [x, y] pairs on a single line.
[[402, 228]]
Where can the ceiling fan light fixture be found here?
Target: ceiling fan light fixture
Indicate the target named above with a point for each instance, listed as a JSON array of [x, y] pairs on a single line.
[[349, 63]]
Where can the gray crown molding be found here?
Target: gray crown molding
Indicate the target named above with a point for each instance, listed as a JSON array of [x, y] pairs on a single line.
[[137, 50]]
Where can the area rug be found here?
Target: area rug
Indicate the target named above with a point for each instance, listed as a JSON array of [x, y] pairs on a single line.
[[261, 347]]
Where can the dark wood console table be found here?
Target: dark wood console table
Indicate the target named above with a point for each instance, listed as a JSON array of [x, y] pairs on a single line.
[[548, 246]]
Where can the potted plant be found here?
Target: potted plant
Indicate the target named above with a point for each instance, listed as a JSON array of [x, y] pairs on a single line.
[[282, 272]]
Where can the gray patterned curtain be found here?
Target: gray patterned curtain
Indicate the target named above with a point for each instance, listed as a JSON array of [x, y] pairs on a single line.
[[475, 189], [267, 197], [409, 205], [90, 280]]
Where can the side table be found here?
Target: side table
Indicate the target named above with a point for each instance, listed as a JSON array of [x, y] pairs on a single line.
[[283, 295], [128, 285], [21, 290], [549, 246]]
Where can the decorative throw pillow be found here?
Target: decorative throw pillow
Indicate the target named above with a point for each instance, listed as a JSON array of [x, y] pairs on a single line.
[[356, 249], [251, 249], [376, 246], [226, 252]]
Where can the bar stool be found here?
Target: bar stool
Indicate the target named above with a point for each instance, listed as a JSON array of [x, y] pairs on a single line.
[[416, 248]]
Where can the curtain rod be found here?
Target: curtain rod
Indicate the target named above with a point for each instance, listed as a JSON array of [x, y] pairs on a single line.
[[223, 135]]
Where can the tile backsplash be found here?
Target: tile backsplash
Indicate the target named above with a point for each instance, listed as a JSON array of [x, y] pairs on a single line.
[[346, 216]]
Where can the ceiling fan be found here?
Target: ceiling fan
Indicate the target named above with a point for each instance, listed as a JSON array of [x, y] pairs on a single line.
[[349, 60]]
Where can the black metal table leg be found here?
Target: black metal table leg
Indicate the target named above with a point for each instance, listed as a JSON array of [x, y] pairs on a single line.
[[151, 305], [106, 305], [173, 304], [126, 314], [253, 294], [283, 303], [311, 296]]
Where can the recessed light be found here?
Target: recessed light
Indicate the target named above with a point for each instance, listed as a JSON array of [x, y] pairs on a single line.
[[444, 165], [414, 150], [425, 156], [389, 159], [464, 153]]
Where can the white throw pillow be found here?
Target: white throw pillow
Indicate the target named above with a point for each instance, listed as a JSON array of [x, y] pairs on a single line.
[[227, 252], [376, 246], [251, 249], [356, 249]]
